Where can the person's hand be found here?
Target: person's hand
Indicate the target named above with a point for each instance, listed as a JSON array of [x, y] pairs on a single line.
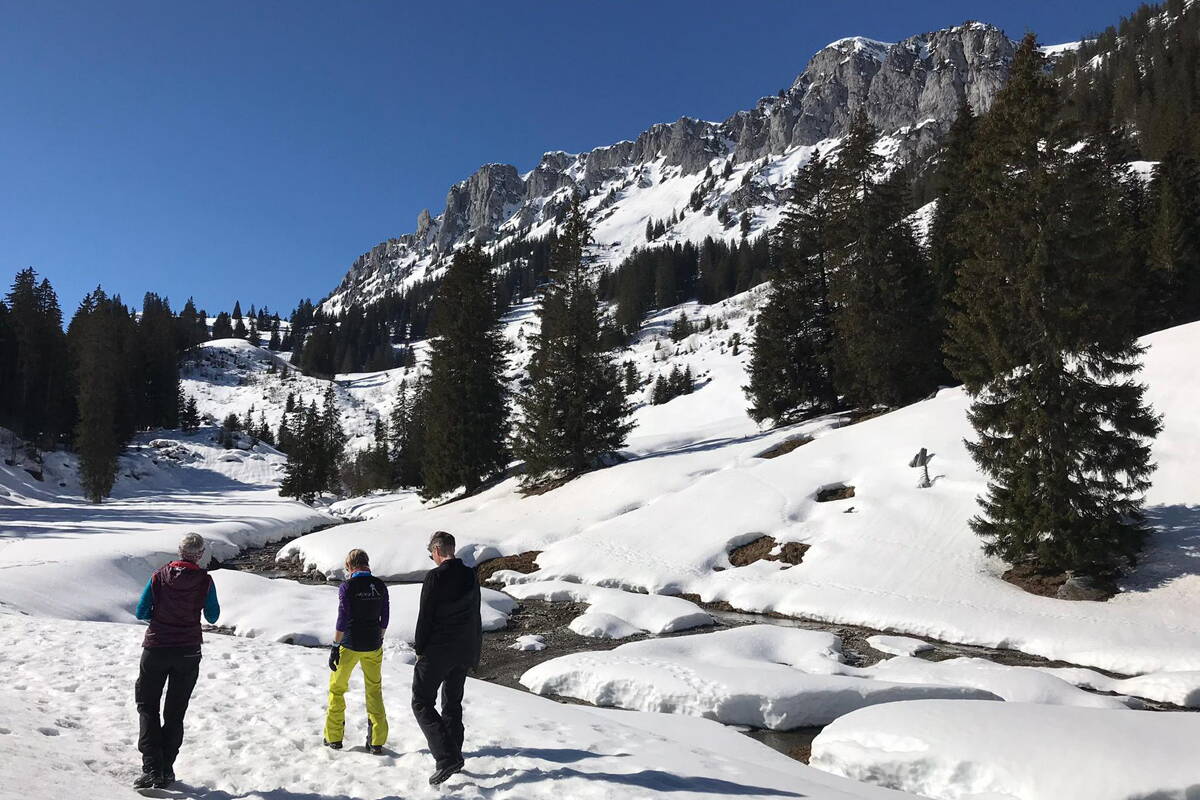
[[335, 655]]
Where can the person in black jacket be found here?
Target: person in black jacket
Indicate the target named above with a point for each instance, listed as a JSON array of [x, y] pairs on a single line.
[[449, 638]]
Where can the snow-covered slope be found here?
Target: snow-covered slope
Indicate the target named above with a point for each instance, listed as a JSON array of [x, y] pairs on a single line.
[[700, 178], [892, 556], [61, 556]]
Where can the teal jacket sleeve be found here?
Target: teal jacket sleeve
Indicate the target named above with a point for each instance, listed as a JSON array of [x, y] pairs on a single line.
[[212, 609], [145, 606]]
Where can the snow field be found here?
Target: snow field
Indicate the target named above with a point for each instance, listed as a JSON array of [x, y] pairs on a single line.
[[254, 732], [64, 557], [893, 557], [1015, 751]]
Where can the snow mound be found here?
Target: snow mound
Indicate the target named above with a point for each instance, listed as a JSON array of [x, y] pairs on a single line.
[[613, 613], [530, 642], [1014, 751], [898, 645], [1008, 683], [759, 675]]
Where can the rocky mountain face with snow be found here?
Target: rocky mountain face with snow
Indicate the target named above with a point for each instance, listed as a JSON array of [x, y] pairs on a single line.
[[911, 91]]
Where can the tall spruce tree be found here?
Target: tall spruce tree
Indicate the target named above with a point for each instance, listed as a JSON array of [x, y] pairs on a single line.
[[575, 409], [1042, 340], [467, 424], [952, 185], [41, 387], [157, 330], [1174, 240], [791, 355], [882, 293], [103, 347]]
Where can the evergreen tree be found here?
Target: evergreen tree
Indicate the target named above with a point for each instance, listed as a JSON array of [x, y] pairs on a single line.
[[190, 418], [467, 423], [158, 344], [192, 326], [792, 352], [952, 185], [1062, 430], [633, 381], [302, 475], [39, 395], [574, 410], [882, 294], [222, 327], [407, 432], [1174, 241], [103, 350], [331, 443]]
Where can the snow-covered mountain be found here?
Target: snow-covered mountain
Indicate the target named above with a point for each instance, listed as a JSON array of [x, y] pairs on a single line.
[[706, 174]]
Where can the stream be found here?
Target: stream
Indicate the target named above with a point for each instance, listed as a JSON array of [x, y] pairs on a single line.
[[502, 665]]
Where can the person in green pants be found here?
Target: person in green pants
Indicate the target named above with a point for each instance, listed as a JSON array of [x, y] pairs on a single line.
[[362, 621]]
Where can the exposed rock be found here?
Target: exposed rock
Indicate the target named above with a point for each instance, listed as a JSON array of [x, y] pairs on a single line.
[[1078, 587], [911, 91], [830, 493], [762, 549]]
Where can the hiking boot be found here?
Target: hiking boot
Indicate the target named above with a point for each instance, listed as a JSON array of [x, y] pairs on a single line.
[[444, 773], [146, 780], [165, 779], [332, 745], [375, 749]]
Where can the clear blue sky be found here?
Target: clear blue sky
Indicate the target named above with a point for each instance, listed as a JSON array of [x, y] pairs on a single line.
[[251, 150]]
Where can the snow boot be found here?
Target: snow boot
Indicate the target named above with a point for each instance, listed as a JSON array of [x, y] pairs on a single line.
[[332, 745], [146, 780], [165, 779], [444, 773], [373, 749]]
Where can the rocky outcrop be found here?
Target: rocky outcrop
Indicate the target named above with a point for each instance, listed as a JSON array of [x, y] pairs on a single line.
[[911, 91]]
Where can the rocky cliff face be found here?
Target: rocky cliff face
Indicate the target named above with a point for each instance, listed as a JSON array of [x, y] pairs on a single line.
[[911, 91]]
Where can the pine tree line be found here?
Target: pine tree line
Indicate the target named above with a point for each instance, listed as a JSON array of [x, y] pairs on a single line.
[[850, 317]]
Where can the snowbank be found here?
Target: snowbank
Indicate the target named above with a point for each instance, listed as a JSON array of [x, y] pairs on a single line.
[[1013, 684], [613, 613], [1014, 751], [759, 675], [296, 613], [68, 727]]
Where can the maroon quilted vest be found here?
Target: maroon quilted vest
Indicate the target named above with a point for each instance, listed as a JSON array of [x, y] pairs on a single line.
[[179, 590]]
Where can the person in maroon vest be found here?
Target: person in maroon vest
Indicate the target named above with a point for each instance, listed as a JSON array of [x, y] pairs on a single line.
[[172, 602]]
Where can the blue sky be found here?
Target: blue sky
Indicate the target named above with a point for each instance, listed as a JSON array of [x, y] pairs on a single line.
[[251, 150]]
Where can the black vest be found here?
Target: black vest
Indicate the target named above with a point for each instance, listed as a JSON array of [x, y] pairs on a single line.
[[365, 596]]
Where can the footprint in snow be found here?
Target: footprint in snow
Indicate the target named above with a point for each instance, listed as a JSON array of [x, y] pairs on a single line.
[[48, 731]]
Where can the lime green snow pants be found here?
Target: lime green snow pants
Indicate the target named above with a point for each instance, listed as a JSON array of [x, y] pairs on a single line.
[[339, 682]]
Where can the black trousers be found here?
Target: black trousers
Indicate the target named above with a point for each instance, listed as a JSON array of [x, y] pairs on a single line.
[[443, 731], [175, 668]]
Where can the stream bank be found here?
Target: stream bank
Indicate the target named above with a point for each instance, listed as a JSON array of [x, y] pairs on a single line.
[[503, 665]]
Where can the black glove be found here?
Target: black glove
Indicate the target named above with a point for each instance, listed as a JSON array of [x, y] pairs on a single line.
[[335, 655]]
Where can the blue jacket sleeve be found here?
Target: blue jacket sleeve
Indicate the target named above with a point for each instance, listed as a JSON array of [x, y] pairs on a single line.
[[212, 608], [145, 606]]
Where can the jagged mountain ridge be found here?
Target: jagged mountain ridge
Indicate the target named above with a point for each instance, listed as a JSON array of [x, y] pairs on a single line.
[[911, 91]]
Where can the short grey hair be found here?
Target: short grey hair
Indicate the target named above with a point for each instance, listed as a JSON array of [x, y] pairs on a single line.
[[443, 542], [191, 547]]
